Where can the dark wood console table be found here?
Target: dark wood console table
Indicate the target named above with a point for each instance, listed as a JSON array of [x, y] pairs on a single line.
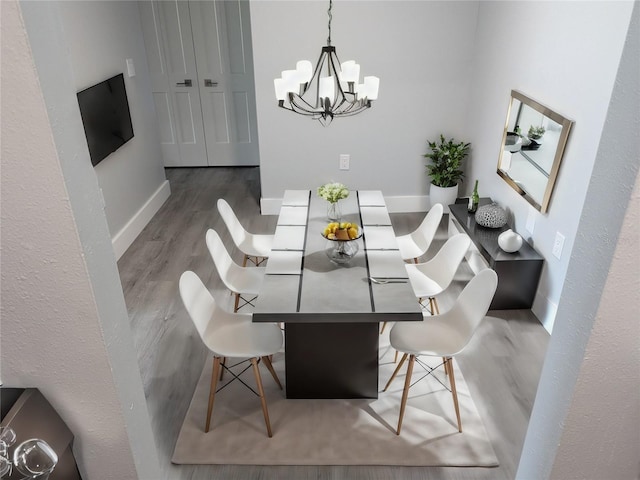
[[518, 273]]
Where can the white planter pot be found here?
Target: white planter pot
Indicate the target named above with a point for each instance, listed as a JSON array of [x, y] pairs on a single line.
[[444, 195]]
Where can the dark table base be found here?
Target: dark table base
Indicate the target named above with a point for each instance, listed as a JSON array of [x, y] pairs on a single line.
[[331, 360]]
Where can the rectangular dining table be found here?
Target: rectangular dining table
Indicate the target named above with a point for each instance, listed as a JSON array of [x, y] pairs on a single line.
[[331, 312]]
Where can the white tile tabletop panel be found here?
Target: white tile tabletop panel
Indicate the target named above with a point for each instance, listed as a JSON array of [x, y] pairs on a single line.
[[284, 263], [371, 198], [386, 264], [295, 198], [289, 237], [293, 216], [375, 216], [380, 238]]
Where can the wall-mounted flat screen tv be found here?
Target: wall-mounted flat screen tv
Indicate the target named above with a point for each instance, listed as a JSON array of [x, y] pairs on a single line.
[[106, 117]]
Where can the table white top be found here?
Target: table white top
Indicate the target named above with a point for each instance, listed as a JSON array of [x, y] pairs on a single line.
[[300, 278]]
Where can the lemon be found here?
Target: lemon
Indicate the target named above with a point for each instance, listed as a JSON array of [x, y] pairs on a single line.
[[353, 232]]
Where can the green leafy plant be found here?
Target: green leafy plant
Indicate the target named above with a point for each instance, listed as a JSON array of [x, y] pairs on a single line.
[[536, 132], [446, 157]]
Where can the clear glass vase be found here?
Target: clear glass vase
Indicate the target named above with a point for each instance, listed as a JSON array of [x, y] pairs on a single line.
[[334, 213]]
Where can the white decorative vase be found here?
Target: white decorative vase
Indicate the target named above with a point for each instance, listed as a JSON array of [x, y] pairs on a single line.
[[443, 195], [510, 241]]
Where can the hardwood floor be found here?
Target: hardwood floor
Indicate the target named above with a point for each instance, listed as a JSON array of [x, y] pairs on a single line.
[[501, 365]]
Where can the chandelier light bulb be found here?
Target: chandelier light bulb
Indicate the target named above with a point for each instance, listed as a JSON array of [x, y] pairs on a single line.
[[305, 71], [327, 88], [372, 84], [350, 71], [281, 88]]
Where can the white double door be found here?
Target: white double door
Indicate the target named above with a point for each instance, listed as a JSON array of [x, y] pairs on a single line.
[[201, 66]]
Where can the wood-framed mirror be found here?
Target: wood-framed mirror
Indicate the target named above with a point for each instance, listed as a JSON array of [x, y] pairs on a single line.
[[533, 144]]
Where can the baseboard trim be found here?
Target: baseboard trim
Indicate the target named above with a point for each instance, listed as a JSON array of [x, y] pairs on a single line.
[[395, 204], [545, 311], [125, 237]]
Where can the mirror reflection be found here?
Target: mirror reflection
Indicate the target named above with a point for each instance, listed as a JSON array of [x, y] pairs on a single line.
[[532, 146]]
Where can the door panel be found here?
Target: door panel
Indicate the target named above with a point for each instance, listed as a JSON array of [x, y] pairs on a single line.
[[163, 112], [222, 39], [166, 27], [241, 112], [213, 121]]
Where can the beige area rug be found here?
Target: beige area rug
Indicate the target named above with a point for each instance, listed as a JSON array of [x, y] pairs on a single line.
[[335, 432]]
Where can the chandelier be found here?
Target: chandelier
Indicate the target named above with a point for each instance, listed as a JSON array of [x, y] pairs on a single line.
[[337, 93]]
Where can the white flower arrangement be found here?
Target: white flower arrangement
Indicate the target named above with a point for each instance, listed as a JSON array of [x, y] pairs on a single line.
[[332, 192]]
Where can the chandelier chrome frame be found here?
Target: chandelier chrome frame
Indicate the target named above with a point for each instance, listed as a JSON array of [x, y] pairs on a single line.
[[338, 94]]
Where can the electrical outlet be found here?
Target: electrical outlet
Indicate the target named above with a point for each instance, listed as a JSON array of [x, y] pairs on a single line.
[[557, 245], [344, 161]]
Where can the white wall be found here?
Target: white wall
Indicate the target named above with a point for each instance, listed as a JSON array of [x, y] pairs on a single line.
[[584, 423], [444, 67], [564, 55], [421, 51], [65, 328], [100, 36]]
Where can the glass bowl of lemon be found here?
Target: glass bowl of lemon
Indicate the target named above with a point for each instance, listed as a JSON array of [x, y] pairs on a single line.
[[341, 246]]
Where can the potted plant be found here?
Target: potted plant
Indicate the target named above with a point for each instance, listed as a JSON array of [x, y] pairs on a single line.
[[445, 169], [536, 133]]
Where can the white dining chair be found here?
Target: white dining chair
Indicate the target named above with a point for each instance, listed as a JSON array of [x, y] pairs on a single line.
[[243, 282], [229, 335], [444, 335], [256, 247], [415, 244], [431, 278]]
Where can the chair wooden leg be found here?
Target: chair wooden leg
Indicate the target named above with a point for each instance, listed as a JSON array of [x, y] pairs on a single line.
[[267, 363], [454, 392], [222, 363], [235, 306], [212, 391], [415, 260], [244, 260], [384, 324], [395, 357], [405, 392], [395, 372], [263, 401], [436, 309]]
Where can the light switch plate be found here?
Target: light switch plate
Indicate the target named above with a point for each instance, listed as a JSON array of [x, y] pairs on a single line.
[[131, 69], [557, 245], [344, 161], [531, 221]]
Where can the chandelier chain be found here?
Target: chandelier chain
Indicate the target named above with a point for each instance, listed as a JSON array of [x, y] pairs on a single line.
[[329, 24]]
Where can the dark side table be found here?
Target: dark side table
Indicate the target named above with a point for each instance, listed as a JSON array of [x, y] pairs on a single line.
[[518, 272]]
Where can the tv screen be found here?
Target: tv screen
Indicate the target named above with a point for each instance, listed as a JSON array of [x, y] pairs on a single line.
[[106, 118]]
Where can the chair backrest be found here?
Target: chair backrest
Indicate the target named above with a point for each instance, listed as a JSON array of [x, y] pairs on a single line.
[[226, 267], [198, 301], [237, 231], [424, 234], [443, 266], [201, 306], [471, 306]]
